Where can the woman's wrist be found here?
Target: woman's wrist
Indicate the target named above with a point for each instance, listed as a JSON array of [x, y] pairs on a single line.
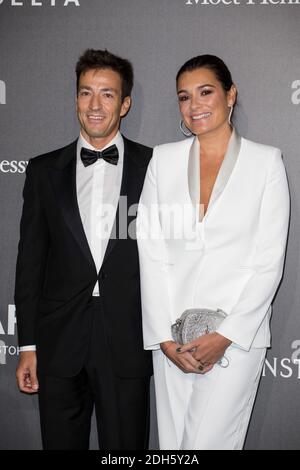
[[166, 345]]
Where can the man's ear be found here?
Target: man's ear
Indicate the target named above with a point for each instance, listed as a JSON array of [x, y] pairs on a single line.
[[125, 106]]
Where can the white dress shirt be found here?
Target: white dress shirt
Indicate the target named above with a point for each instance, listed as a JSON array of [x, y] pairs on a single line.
[[98, 189]]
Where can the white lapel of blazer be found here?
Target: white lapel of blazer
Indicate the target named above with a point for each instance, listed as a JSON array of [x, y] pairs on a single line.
[[223, 176], [226, 169]]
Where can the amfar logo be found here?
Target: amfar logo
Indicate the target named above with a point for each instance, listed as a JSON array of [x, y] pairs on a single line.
[[285, 367], [10, 330], [39, 3], [13, 166], [2, 91], [296, 94]]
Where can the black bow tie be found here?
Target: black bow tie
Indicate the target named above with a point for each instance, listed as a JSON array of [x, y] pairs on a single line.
[[110, 155]]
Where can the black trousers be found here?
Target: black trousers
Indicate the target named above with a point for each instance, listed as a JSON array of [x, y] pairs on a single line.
[[121, 404]]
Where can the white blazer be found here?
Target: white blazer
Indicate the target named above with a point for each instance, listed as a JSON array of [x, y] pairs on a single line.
[[233, 259]]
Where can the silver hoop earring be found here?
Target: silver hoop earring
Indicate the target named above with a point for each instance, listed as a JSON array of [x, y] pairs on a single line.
[[230, 114], [185, 130]]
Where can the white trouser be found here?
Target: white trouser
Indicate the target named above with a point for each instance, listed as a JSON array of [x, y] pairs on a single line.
[[210, 411]]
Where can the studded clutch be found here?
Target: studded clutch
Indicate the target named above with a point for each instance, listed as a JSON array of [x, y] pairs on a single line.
[[196, 322]]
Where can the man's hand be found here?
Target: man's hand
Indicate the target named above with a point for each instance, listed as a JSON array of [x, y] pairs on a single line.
[[26, 372], [185, 361]]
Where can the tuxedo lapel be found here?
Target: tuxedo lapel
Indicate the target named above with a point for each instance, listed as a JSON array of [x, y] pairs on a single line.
[[131, 185], [63, 179]]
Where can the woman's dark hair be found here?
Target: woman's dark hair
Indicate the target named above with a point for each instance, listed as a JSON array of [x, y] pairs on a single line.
[[98, 59], [211, 62]]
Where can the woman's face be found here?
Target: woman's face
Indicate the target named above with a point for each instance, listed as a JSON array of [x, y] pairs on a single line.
[[203, 103]]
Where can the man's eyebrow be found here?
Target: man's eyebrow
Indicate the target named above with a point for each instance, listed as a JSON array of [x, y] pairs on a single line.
[[87, 87]]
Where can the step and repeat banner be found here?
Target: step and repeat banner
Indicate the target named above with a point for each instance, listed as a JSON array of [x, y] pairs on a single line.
[[40, 42]]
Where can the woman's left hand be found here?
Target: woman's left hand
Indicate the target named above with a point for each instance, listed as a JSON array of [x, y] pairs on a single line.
[[207, 350]]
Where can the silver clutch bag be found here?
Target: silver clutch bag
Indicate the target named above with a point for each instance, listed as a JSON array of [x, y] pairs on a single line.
[[196, 322]]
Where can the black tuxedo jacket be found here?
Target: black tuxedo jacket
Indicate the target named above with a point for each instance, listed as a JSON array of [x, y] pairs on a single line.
[[56, 274]]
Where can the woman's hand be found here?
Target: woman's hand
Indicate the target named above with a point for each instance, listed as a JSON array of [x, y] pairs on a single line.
[[207, 350], [184, 360]]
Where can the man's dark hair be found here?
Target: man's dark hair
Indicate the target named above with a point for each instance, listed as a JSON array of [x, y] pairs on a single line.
[[103, 59]]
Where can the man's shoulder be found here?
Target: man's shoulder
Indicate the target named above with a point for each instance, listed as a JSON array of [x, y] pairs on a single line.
[[53, 156], [140, 152]]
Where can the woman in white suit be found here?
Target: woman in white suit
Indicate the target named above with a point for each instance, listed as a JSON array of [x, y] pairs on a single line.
[[212, 227]]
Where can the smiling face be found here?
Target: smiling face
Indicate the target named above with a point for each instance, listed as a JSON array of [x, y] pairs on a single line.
[[100, 106], [203, 103]]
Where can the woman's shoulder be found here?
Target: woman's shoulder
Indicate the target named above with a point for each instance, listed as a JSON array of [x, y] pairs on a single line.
[[256, 148], [265, 157], [172, 155], [171, 147]]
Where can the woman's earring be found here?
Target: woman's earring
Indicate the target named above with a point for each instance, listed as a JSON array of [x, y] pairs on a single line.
[[230, 114], [185, 130]]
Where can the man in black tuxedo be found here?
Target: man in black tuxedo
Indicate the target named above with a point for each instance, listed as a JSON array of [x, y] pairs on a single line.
[[77, 288]]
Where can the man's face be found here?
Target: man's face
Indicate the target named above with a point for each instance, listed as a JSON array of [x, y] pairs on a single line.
[[100, 106]]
